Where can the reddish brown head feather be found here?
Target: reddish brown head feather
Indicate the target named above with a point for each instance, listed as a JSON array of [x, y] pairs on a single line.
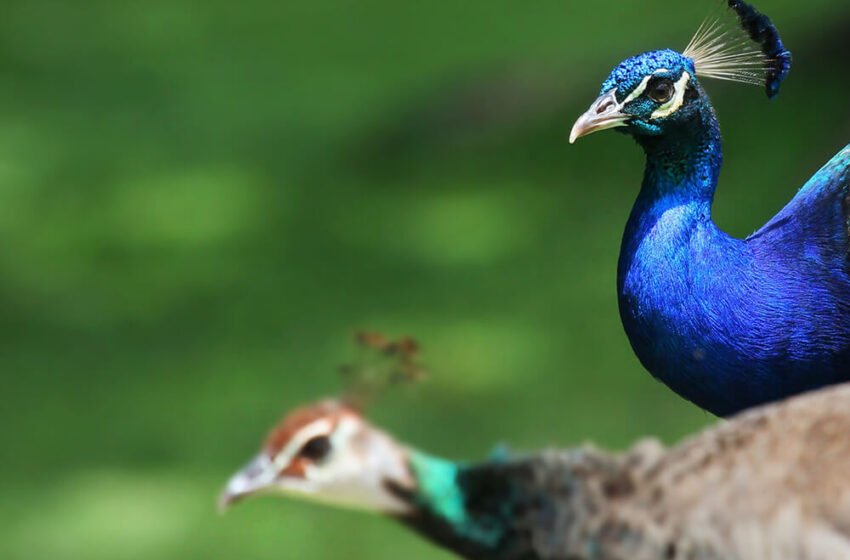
[[296, 468], [293, 422]]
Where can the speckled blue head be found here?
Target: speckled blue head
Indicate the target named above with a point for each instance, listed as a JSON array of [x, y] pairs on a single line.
[[646, 95], [631, 72]]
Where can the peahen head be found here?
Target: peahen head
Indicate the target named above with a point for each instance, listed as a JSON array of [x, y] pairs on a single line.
[[656, 93], [327, 452]]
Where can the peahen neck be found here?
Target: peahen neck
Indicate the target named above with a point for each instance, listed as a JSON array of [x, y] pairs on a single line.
[[545, 506], [444, 510]]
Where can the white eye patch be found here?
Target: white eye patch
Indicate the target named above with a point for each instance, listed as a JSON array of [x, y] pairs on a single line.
[[676, 101]]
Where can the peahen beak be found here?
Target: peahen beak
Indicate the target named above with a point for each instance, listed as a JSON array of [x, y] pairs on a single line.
[[256, 476], [606, 112]]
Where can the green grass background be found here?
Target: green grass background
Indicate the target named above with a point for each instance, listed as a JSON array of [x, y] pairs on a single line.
[[201, 201]]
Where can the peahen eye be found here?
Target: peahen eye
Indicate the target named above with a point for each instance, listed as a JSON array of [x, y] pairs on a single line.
[[661, 90], [316, 449]]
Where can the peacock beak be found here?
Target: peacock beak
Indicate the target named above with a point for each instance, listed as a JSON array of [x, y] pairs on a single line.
[[256, 476], [606, 112]]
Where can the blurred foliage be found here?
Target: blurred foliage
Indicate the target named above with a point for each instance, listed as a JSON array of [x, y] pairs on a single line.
[[201, 201]]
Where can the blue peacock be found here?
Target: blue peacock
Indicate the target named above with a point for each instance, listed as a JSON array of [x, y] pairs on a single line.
[[726, 323], [754, 488]]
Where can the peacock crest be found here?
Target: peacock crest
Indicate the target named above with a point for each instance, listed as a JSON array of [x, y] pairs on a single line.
[[723, 49]]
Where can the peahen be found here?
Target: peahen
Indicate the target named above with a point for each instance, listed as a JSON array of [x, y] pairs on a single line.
[[726, 323], [771, 484]]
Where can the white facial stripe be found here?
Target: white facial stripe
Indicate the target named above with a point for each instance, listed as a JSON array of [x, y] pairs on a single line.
[[676, 101], [317, 428], [638, 91]]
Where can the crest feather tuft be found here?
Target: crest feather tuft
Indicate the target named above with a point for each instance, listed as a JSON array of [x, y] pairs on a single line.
[[725, 51]]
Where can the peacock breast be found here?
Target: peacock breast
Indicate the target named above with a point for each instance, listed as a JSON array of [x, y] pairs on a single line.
[[686, 293]]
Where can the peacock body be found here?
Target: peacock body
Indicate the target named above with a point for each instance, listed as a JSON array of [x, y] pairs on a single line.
[[727, 323]]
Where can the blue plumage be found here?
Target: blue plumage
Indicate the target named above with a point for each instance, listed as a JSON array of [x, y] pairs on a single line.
[[629, 73], [726, 323]]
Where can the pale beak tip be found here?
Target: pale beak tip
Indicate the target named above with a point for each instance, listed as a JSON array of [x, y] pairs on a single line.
[[604, 113], [580, 129], [254, 477]]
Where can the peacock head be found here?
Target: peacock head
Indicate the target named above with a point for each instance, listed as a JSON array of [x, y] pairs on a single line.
[[657, 92], [329, 453], [647, 95]]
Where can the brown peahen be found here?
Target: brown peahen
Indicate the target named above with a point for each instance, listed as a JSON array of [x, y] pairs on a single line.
[[771, 484]]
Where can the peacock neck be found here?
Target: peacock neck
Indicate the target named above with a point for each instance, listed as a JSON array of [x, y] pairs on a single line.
[[674, 204], [677, 271], [682, 166]]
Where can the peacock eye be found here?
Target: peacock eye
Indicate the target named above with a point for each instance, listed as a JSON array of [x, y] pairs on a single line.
[[316, 449], [661, 90]]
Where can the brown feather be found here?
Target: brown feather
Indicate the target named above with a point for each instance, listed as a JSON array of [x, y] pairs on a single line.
[[770, 484], [293, 422]]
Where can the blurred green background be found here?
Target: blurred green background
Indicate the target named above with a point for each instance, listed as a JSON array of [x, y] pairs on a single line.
[[201, 201]]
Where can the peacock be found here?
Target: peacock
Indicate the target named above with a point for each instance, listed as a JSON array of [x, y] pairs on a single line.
[[770, 484], [726, 323]]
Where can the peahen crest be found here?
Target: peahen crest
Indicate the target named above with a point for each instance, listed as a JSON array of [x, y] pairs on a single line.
[[382, 363], [725, 51]]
